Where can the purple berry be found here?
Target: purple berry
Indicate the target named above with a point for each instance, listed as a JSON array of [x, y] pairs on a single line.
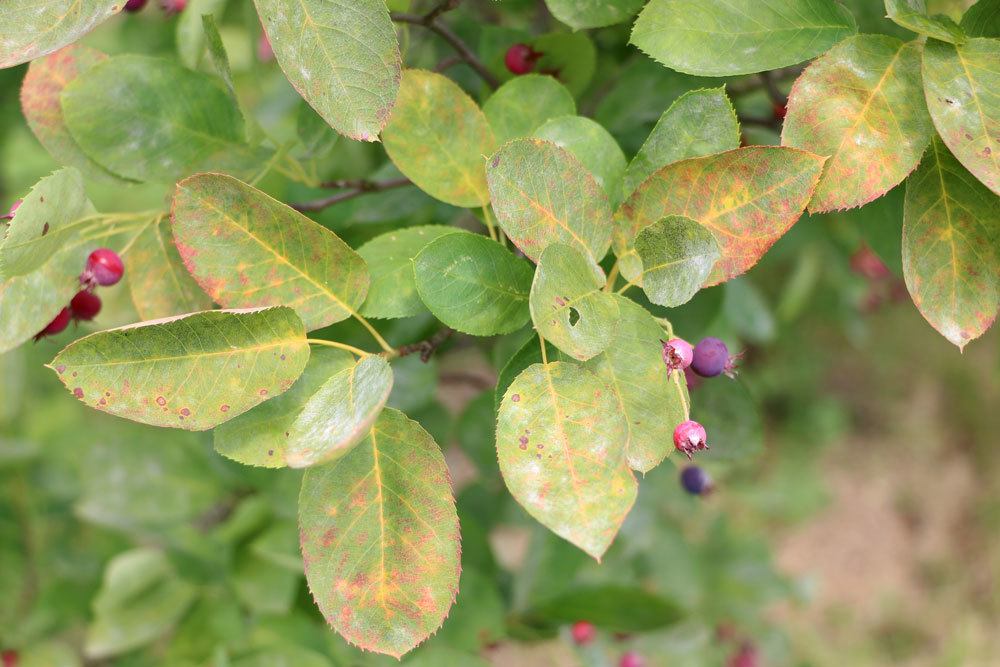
[[690, 437], [711, 358], [696, 481], [134, 5], [677, 354], [57, 325], [85, 305], [104, 268]]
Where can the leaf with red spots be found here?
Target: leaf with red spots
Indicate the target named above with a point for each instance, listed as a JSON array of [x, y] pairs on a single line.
[[29, 30], [340, 55], [561, 440], [543, 194], [179, 371], [247, 250], [860, 105], [40, 91], [439, 138], [962, 86], [951, 247], [748, 198], [380, 539]]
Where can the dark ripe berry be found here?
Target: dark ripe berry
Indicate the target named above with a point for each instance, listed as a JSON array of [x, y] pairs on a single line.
[[173, 6], [8, 658], [780, 111], [677, 354], [134, 5], [746, 656], [85, 305], [104, 267], [866, 263], [631, 659], [690, 437], [696, 481], [521, 58], [57, 325], [711, 358], [583, 632]]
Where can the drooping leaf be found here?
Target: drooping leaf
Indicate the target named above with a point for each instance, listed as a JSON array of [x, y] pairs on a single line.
[[340, 413], [561, 443], [45, 222], [542, 194], [568, 305], [439, 138], [593, 146], [380, 538], [677, 257], [699, 122], [951, 247], [982, 19], [190, 35], [159, 284], [258, 437], [168, 121], [962, 86], [726, 37], [217, 53], [29, 30], [40, 104], [653, 404], [393, 292], [193, 371], [341, 56], [912, 15], [748, 198], [247, 250], [524, 104], [473, 284], [581, 14], [860, 105]]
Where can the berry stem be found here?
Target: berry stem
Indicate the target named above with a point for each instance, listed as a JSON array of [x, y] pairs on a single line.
[[431, 22], [612, 277], [354, 188], [358, 352], [375, 334], [545, 356], [624, 288]]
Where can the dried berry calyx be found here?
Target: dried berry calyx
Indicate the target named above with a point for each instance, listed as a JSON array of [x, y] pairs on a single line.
[[104, 267], [690, 437], [696, 481], [583, 632], [677, 354], [85, 305], [57, 325], [712, 358], [521, 58]]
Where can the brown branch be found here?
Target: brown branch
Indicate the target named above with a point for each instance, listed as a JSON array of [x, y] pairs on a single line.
[[427, 347], [448, 63], [444, 32], [354, 188], [441, 8]]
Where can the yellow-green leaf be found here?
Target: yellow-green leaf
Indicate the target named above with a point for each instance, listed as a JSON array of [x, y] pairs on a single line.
[[677, 257], [29, 30], [525, 103]]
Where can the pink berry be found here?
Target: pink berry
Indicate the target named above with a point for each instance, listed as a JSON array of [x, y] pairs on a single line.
[[521, 58], [134, 5], [104, 267], [746, 656], [85, 305], [677, 354], [866, 263], [583, 632], [9, 658], [631, 659], [173, 6], [57, 325], [690, 437]]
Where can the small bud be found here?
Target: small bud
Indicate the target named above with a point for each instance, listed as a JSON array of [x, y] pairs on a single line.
[[583, 632], [677, 354], [690, 437]]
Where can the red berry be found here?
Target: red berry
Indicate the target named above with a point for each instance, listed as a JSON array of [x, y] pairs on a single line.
[[85, 305], [104, 267], [677, 354], [8, 658], [690, 437], [780, 111], [57, 325], [631, 659], [173, 6], [521, 58], [134, 5], [866, 263], [583, 632]]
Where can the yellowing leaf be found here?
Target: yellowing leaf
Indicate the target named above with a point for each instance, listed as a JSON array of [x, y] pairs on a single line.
[[29, 30]]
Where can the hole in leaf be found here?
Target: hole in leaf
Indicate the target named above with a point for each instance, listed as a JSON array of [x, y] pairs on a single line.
[[574, 316]]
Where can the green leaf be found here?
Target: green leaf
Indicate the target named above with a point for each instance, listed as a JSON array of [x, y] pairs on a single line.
[[342, 57], [30, 30], [529, 353], [568, 306], [190, 35], [217, 52], [860, 105], [140, 600], [393, 292], [652, 403], [593, 146], [168, 121], [44, 222], [699, 122], [259, 437], [247, 250], [542, 194], [524, 104], [962, 86], [316, 136], [951, 247], [571, 55], [340, 413], [159, 284], [473, 284], [380, 538], [40, 104], [728, 37], [581, 14], [677, 257], [748, 198], [193, 371], [982, 19], [560, 441], [912, 15], [439, 138], [611, 607]]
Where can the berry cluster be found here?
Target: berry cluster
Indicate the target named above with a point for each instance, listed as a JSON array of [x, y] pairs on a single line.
[[104, 268], [168, 6]]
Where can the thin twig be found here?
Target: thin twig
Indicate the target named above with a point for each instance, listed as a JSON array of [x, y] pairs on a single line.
[[427, 347], [441, 8], [447, 63], [353, 189], [444, 32]]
